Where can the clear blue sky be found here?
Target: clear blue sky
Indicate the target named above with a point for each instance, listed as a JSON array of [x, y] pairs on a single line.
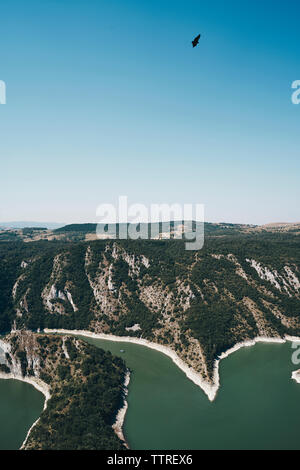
[[108, 98]]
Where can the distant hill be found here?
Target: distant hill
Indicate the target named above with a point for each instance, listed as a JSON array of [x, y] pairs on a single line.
[[175, 226], [33, 231], [26, 224], [282, 224], [281, 227], [82, 228]]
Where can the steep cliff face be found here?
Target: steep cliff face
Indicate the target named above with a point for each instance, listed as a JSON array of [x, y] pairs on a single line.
[[198, 303], [22, 354], [83, 386]]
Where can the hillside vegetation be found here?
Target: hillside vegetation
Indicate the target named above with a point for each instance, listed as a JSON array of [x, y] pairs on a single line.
[[199, 303], [86, 387]]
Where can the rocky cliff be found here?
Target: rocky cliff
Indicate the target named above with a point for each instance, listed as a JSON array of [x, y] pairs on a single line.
[[198, 303], [83, 386]]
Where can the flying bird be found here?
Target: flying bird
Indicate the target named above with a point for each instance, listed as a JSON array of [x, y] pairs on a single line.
[[196, 40]]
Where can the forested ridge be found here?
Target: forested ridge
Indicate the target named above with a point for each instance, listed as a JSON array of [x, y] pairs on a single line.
[[86, 387], [200, 303]]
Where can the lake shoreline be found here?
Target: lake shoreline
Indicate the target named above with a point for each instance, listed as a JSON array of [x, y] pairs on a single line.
[[121, 414], [195, 377], [296, 376], [210, 389], [119, 422], [39, 385], [42, 387]]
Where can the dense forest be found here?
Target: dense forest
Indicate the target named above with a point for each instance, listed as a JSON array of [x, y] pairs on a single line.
[[86, 386], [240, 285]]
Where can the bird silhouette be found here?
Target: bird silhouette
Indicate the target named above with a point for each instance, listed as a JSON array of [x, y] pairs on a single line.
[[195, 42]]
